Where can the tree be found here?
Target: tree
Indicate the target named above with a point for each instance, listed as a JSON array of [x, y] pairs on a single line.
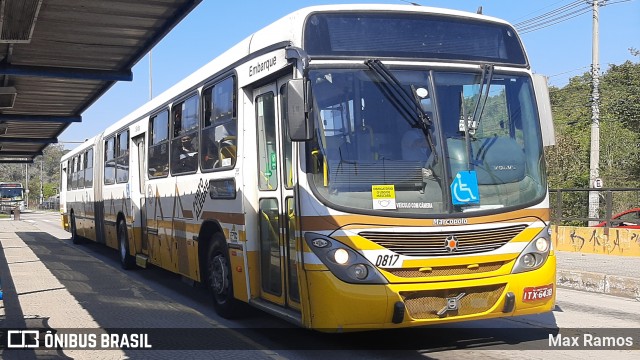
[[621, 94], [45, 167], [568, 160]]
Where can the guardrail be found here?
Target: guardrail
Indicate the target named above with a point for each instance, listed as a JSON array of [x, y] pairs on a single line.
[[49, 205], [571, 206], [570, 219]]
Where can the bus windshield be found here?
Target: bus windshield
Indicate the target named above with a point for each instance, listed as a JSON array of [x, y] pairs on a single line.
[[12, 193], [370, 155]]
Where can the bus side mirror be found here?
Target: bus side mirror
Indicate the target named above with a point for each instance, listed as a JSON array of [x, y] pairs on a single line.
[[544, 110], [299, 124]]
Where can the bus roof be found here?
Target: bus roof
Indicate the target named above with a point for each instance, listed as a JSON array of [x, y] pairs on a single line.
[[11, 184], [286, 29], [80, 148]]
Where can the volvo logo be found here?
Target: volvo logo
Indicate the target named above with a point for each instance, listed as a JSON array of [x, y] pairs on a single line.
[[504, 167], [453, 304], [451, 243]]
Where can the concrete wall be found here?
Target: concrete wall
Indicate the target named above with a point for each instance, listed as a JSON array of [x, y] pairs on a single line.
[[597, 240]]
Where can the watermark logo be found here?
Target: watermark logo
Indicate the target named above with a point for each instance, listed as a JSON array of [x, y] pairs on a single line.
[[23, 339]]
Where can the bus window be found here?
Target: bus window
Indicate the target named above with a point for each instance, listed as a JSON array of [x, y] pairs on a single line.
[[184, 142], [74, 176], [287, 146], [110, 162], [88, 170], [159, 145], [122, 161], [220, 126], [81, 165], [268, 169], [69, 174]]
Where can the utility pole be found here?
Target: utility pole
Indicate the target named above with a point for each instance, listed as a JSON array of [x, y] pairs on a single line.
[[150, 78], [26, 186], [594, 161], [42, 181]]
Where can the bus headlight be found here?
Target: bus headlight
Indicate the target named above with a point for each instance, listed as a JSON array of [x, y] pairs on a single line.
[[345, 263], [359, 271], [341, 256], [542, 244], [529, 260], [535, 254]]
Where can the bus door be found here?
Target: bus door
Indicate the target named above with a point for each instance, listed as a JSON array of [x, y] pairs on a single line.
[[276, 214], [138, 193]]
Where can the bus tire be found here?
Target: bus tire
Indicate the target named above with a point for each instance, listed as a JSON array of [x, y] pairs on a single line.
[[218, 277], [126, 260], [75, 239]]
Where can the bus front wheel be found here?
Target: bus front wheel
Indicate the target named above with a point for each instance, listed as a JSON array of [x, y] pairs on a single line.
[[219, 278], [126, 260]]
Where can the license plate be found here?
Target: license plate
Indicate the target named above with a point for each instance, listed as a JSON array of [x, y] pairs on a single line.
[[537, 293]]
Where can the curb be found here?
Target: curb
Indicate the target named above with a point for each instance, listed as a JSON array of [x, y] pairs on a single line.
[[621, 286]]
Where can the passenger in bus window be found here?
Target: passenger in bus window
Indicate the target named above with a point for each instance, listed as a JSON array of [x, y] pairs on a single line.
[[210, 148], [187, 155], [219, 145], [226, 140], [177, 122]]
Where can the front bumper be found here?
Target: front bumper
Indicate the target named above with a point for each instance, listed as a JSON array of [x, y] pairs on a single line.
[[336, 305]]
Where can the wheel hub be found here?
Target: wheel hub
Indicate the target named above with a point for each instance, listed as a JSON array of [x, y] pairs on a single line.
[[219, 281]]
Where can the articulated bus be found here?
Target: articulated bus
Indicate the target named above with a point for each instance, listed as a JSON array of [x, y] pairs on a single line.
[[345, 168], [11, 197]]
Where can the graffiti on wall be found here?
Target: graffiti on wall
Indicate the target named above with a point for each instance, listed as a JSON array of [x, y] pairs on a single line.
[[592, 240]]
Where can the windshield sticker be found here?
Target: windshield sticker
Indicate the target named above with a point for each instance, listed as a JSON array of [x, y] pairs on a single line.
[[414, 205], [384, 197], [464, 188]]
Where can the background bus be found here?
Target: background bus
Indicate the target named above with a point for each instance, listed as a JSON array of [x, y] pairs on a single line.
[[11, 197], [347, 167]]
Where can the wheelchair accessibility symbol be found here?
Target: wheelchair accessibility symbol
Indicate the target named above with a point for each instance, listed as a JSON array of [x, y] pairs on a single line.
[[464, 188]]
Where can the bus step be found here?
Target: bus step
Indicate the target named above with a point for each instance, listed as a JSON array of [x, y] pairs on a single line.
[[288, 314], [141, 260]]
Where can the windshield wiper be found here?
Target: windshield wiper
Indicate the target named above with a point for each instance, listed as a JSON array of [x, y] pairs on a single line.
[[407, 103], [466, 128], [485, 84], [469, 126]]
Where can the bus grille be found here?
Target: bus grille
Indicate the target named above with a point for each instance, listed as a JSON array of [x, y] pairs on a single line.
[[427, 304], [433, 244], [446, 270]]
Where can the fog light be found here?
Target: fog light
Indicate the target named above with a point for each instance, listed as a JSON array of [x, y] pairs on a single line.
[[341, 256], [529, 260], [359, 271], [542, 244]]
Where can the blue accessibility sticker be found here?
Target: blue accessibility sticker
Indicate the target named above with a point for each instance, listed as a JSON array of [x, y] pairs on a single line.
[[464, 188]]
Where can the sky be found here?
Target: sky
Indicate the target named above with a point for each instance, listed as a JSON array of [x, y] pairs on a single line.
[[559, 51]]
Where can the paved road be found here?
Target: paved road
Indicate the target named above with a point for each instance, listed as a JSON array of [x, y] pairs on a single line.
[[83, 286]]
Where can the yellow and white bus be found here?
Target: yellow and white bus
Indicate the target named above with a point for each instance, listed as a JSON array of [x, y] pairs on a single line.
[[347, 167]]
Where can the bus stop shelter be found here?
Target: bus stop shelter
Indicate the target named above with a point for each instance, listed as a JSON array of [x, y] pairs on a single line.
[[57, 57]]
